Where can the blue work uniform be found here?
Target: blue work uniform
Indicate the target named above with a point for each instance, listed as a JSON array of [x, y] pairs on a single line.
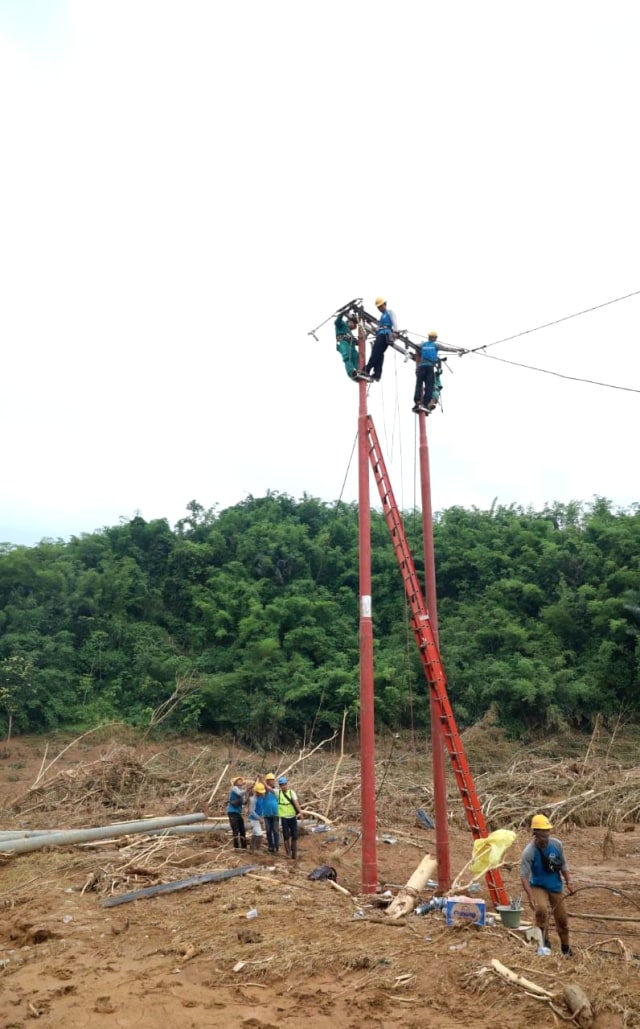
[[426, 373], [387, 324]]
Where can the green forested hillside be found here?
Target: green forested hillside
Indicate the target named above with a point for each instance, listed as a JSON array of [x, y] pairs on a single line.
[[257, 607]]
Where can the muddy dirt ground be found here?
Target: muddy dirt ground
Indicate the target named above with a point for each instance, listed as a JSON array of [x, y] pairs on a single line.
[[312, 957]]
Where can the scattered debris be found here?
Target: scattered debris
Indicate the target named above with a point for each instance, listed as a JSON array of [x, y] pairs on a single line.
[[519, 980], [424, 820], [324, 872], [339, 888]]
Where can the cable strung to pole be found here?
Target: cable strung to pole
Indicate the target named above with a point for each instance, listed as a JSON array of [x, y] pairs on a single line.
[[371, 322], [557, 321], [559, 375]]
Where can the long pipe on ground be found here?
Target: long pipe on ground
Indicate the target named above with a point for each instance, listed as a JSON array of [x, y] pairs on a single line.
[[15, 834], [68, 837], [185, 830], [174, 830], [182, 884]]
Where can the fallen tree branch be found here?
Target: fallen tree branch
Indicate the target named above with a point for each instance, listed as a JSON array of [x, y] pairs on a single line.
[[217, 785], [303, 756], [336, 769], [44, 770], [340, 889], [519, 980]]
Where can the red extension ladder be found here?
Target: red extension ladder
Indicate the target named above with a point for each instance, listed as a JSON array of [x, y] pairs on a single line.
[[430, 657]]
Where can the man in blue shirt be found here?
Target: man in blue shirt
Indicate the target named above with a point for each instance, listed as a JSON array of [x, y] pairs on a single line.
[[237, 798], [426, 368], [543, 866], [387, 325], [271, 814]]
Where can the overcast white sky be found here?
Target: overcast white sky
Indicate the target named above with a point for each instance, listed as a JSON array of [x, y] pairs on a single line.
[[187, 188]]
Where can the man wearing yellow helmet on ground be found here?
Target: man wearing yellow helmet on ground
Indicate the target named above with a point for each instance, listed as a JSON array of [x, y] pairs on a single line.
[[256, 821], [543, 866], [387, 326]]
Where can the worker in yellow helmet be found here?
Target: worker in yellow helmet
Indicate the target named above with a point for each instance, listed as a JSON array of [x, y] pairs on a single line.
[[543, 866], [256, 818], [387, 326], [428, 384]]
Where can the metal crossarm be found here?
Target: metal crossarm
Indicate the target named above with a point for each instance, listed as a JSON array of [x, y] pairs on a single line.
[[430, 657]]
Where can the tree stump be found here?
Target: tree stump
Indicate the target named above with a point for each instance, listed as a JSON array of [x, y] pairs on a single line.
[[405, 901]]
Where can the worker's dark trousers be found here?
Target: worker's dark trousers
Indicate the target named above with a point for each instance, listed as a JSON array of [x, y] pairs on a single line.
[[271, 823], [376, 360], [425, 379], [239, 834], [290, 835]]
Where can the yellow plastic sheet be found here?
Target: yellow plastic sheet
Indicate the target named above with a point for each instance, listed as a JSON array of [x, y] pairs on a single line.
[[489, 852]]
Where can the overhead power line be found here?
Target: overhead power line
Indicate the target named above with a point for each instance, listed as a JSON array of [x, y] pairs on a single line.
[[557, 321], [559, 375]]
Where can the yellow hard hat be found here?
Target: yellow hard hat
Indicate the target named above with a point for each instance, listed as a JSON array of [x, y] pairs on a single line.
[[380, 301], [259, 788], [270, 776], [540, 822], [433, 335]]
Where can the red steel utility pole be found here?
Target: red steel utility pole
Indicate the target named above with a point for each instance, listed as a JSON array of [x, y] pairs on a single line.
[[437, 740], [367, 709]]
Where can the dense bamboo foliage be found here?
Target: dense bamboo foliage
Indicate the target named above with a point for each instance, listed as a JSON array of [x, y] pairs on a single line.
[[252, 615]]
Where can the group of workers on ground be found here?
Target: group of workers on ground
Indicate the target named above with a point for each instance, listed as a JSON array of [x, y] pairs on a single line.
[[272, 806], [427, 357]]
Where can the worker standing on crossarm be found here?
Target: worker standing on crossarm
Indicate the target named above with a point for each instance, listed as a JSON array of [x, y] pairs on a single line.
[[426, 364], [543, 866], [387, 326]]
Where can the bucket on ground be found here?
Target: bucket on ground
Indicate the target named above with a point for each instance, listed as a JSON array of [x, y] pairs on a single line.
[[509, 916]]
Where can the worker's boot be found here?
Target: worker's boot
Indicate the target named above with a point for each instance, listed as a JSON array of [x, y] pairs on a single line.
[[256, 843], [294, 849], [287, 848]]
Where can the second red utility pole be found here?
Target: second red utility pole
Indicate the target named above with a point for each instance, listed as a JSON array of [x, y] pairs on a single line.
[[367, 708], [437, 742]]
